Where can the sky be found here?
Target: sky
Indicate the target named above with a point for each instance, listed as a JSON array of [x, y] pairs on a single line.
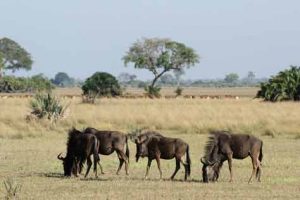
[[81, 37]]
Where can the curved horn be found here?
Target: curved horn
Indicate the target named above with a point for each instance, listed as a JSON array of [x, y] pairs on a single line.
[[203, 161], [207, 162], [59, 157]]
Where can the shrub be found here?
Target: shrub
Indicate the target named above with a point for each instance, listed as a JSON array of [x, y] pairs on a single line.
[[152, 91], [284, 86], [101, 84], [178, 91], [22, 84], [47, 106]]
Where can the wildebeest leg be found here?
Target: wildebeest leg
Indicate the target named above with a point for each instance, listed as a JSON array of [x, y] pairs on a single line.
[[121, 161], [123, 158], [185, 169], [75, 168], [101, 169], [176, 169], [89, 164], [230, 165], [255, 164], [148, 167], [158, 165], [258, 173]]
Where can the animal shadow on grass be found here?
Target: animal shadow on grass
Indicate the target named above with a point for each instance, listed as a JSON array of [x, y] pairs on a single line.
[[166, 179], [51, 175], [95, 179], [80, 178]]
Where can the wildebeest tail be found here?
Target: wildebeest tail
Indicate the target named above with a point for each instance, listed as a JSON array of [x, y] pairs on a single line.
[[188, 160], [95, 152], [261, 153], [127, 148]]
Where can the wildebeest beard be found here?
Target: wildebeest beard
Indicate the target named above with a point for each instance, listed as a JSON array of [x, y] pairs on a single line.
[[141, 151], [212, 164], [211, 172]]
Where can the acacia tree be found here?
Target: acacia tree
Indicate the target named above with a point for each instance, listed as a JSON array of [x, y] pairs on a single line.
[[160, 56], [13, 57]]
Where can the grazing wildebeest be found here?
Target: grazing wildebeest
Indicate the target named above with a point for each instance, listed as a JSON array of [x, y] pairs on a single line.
[[223, 146], [111, 141], [80, 147], [155, 146]]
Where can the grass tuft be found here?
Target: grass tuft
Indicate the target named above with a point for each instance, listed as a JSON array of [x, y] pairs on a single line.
[[12, 189]]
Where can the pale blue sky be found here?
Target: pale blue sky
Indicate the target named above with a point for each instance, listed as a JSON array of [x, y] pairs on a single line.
[[84, 36]]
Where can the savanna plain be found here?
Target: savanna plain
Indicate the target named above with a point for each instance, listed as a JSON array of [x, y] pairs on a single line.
[[28, 149]]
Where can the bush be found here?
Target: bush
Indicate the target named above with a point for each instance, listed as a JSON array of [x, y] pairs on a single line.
[[101, 84], [47, 106], [282, 87], [152, 91], [178, 91], [12, 84]]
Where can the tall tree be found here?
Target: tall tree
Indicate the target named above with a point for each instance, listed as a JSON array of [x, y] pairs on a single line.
[[250, 76], [231, 78], [63, 79], [13, 57], [160, 56]]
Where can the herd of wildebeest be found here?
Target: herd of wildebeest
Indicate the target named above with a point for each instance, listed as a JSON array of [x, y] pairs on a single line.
[[221, 146]]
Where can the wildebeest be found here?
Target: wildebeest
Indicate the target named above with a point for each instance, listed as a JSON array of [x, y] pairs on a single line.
[[80, 147], [223, 146], [111, 141], [155, 146]]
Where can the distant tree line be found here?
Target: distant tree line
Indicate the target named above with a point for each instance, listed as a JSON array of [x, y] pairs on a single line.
[[175, 80], [62, 79], [167, 60], [12, 84]]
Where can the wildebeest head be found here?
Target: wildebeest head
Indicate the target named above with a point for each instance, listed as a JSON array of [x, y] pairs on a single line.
[[141, 146], [210, 170], [211, 161], [68, 165], [69, 160]]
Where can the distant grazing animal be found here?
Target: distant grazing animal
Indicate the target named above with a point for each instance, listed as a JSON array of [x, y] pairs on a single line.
[[111, 141], [155, 146], [80, 147], [223, 146]]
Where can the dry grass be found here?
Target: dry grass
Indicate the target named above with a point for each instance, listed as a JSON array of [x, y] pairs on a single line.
[[184, 116], [32, 162], [233, 91], [28, 150]]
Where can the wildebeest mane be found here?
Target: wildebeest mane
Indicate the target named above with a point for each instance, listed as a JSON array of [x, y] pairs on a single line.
[[212, 142], [71, 137]]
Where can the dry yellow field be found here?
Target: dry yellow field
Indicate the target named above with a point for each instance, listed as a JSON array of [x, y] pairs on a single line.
[[168, 91], [28, 150]]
